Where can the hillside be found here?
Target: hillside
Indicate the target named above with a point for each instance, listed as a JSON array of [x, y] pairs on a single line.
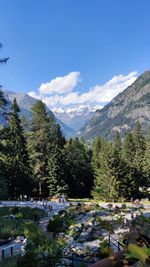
[[25, 103], [122, 112]]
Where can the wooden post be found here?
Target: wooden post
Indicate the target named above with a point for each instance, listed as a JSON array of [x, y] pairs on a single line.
[[3, 254], [11, 251]]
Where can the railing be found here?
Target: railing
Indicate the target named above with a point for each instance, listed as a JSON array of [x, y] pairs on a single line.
[[8, 249], [114, 242]]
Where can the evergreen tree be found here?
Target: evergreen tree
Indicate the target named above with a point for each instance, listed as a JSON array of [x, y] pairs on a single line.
[[140, 147], [146, 164], [57, 182], [106, 186], [97, 147], [3, 159], [117, 142], [19, 173], [38, 145], [45, 143], [78, 168], [129, 148]]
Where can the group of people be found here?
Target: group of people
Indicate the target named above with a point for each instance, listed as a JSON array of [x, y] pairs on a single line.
[[62, 198], [46, 206]]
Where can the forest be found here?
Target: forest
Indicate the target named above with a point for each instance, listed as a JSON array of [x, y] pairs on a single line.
[[36, 160]]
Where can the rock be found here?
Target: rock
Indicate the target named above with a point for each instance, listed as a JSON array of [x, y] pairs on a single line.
[[84, 237]]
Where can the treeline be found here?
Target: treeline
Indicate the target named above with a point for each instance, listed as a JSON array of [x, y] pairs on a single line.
[[36, 160], [121, 168], [39, 161]]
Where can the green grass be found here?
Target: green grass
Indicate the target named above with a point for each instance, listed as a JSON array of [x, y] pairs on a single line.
[[27, 212]]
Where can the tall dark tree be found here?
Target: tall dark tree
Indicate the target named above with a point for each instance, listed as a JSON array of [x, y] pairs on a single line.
[[45, 143], [117, 142], [129, 149], [106, 187], [19, 172], [39, 145], [79, 168], [3, 159], [140, 148]]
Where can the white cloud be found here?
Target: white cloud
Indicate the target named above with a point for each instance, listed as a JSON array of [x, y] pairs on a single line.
[[61, 85], [66, 100]]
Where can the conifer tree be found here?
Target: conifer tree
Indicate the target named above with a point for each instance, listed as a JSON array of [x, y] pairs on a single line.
[[106, 185], [3, 159], [146, 164], [39, 145], [140, 148], [97, 147], [78, 168], [129, 148], [45, 143], [19, 172]]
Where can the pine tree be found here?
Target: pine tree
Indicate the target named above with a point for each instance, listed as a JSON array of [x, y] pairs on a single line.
[[117, 142], [3, 159], [140, 148], [78, 168], [146, 164], [45, 143], [97, 147], [19, 172], [106, 186], [57, 183], [39, 145], [140, 144], [129, 149]]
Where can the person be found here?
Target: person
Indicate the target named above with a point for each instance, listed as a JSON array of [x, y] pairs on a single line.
[[50, 208], [132, 215], [93, 221], [63, 198], [132, 200]]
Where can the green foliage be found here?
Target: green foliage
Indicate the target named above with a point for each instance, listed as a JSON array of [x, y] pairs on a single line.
[[19, 172], [140, 253], [61, 222], [78, 168], [119, 169]]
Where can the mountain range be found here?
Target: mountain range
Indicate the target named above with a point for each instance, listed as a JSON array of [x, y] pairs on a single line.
[[25, 103], [75, 119], [121, 114]]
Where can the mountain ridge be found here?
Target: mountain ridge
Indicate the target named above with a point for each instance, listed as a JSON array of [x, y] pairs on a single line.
[[25, 103], [122, 112]]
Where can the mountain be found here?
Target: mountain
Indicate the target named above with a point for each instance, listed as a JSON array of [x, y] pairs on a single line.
[[75, 119], [25, 103], [121, 114]]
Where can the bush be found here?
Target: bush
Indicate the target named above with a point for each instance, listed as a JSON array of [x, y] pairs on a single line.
[[56, 224], [87, 208]]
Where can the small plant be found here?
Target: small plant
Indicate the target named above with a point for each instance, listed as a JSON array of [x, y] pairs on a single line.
[[87, 208]]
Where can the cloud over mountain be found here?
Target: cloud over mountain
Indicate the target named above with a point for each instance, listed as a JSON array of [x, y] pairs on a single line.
[[61, 85], [60, 93]]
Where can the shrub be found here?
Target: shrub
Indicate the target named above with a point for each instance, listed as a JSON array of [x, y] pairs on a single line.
[[87, 208], [56, 224]]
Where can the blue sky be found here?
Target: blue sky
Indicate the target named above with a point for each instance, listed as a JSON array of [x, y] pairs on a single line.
[[87, 41]]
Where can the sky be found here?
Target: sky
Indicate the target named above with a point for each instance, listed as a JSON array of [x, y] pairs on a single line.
[[73, 54]]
